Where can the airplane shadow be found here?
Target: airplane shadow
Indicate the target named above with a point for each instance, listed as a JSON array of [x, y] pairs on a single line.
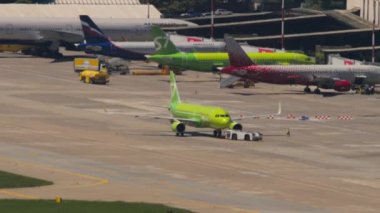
[[275, 93], [192, 81], [324, 94], [68, 58], [172, 134]]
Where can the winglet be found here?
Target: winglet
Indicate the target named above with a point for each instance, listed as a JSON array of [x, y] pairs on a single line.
[[162, 42], [92, 33], [237, 56]]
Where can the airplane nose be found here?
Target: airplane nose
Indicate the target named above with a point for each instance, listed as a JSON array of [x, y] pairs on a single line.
[[225, 121]]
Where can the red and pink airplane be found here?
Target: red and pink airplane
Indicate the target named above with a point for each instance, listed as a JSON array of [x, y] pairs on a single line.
[[340, 78]]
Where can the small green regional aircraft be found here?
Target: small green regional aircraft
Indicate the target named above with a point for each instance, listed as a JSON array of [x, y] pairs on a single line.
[[168, 54], [200, 116]]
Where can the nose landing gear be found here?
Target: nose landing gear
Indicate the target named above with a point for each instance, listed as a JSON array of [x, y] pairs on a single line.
[[218, 133]]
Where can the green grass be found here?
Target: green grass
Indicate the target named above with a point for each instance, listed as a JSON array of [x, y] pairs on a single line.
[[71, 206], [9, 180]]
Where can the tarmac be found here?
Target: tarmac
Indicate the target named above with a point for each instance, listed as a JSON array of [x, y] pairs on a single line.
[[86, 140]]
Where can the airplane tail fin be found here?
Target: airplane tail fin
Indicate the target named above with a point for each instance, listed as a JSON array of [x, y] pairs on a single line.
[[92, 33], [237, 56], [162, 42], [174, 97]]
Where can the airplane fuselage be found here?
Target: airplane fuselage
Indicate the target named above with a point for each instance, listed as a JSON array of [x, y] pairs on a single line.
[[211, 61], [205, 116], [38, 30], [307, 74]]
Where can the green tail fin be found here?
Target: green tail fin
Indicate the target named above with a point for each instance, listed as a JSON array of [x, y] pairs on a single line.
[[174, 97], [163, 44]]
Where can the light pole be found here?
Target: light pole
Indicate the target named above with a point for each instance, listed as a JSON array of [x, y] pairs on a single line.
[[373, 31], [148, 9], [212, 20], [283, 25]]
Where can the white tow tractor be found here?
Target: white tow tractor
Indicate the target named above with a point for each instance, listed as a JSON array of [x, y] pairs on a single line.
[[246, 136]]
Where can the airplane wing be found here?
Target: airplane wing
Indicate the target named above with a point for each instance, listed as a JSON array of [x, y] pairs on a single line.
[[226, 82], [170, 118], [268, 115], [51, 35]]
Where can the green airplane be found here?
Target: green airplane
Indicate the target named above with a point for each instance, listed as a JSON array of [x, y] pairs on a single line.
[[200, 116], [168, 54]]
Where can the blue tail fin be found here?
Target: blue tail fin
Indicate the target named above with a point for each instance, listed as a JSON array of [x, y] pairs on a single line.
[[92, 33]]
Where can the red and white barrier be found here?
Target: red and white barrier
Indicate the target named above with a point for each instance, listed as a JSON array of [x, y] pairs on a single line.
[[344, 117], [322, 117]]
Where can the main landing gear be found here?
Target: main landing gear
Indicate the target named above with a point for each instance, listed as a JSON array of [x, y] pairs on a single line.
[[218, 133], [308, 90]]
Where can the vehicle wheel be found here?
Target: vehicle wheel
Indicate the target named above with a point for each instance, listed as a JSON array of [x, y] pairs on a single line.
[[307, 90], [247, 138], [234, 137], [91, 81], [317, 91]]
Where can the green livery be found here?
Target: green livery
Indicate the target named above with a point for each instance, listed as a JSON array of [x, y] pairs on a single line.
[[168, 54], [195, 115], [200, 116]]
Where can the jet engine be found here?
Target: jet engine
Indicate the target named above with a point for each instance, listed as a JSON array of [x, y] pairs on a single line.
[[336, 84], [342, 86], [178, 127], [236, 126]]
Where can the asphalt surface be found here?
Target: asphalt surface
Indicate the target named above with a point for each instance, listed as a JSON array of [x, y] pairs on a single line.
[[85, 138]]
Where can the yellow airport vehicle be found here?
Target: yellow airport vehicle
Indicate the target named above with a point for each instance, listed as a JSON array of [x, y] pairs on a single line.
[[94, 77], [95, 64]]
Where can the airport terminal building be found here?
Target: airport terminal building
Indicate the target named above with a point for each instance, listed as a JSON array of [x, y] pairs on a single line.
[[74, 8], [368, 9]]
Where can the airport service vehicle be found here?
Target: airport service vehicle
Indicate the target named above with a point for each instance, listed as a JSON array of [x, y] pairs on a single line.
[[95, 64], [199, 116], [94, 77], [45, 35], [240, 135], [341, 78], [168, 54]]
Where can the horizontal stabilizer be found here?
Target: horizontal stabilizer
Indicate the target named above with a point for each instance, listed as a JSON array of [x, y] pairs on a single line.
[[226, 82]]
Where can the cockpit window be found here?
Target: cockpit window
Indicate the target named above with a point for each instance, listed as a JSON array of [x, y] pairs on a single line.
[[222, 116]]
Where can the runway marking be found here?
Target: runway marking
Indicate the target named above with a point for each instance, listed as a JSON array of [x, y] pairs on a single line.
[[17, 194]]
